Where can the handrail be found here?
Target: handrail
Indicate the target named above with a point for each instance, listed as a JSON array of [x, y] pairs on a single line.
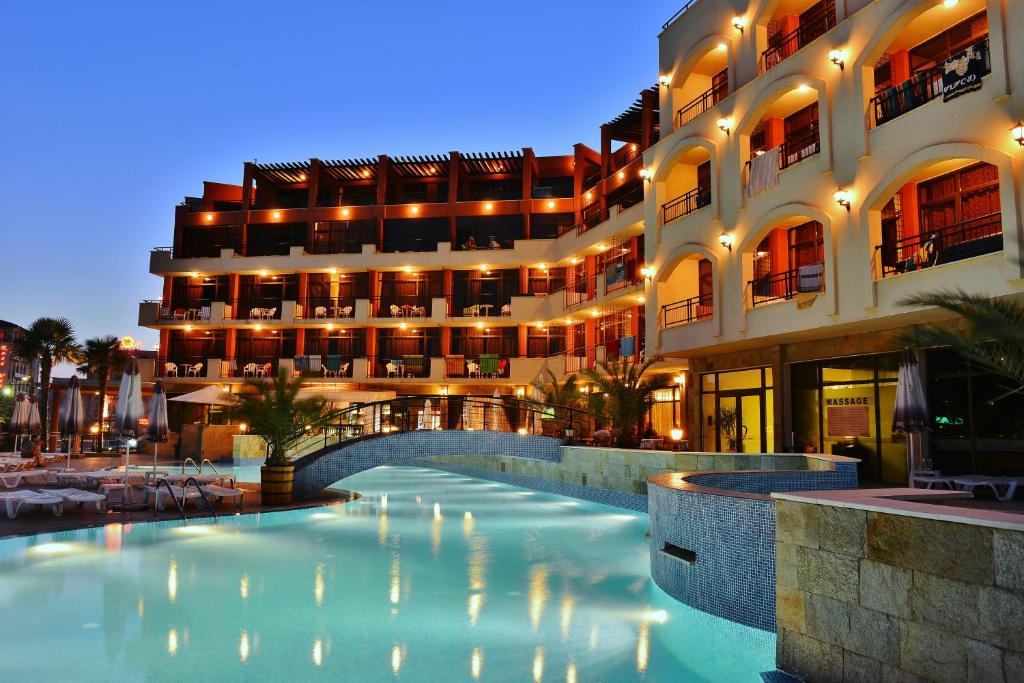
[[701, 103], [679, 12], [783, 285], [684, 204], [202, 494], [181, 510], [190, 460], [930, 247], [210, 463], [695, 308], [797, 38]]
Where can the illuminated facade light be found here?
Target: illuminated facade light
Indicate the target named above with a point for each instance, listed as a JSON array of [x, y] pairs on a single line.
[[664, 81], [837, 57], [1018, 132], [739, 23], [725, 125], [209, 217], [842, 198], [551, 204], [725, 239], [276, 214]]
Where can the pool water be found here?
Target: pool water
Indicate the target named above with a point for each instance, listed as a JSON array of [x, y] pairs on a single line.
[[431, 576]]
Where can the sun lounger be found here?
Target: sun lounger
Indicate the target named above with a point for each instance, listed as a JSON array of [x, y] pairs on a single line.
[[82, 498], [159, 494], [221, 493], [970, 482], [13, 480], [14, 500]]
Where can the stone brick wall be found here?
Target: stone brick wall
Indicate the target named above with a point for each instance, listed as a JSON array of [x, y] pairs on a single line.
[[868, 595]]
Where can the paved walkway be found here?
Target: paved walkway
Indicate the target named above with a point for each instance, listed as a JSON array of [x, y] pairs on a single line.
[[31, 522]]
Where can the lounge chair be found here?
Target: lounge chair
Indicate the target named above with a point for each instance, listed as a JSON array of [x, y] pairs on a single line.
[[81, 498], [222, 493], [14, 500], [970, 482], [159, 494], [13, 480]]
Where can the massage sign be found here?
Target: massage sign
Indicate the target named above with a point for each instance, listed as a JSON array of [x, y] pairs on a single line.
[[962, 73], [848, 416]]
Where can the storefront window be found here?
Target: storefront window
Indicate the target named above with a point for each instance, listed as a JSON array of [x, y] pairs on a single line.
[[737, 414], [844, 407]]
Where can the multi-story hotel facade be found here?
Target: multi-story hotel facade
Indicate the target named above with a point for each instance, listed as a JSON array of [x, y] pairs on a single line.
[[753, 221]]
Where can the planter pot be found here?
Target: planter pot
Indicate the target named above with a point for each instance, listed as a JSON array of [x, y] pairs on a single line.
[[276, 484]]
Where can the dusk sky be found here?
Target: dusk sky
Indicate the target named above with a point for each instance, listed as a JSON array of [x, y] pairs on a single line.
[[114, 111]]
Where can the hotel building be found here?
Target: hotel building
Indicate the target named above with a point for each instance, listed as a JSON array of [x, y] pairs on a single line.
[[754, 220]]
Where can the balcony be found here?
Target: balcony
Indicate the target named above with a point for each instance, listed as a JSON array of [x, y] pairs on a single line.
[[808, 279], [789, 153], [700, 104], [326, 308], [580, 292], [787, 45], [327, 366], [399, 306], [687, 203], [484, 365], [925, 86], [621, 275], [256, 308], [400, 367], [580, 359], [184, 367], [691, 310], [976, 237]]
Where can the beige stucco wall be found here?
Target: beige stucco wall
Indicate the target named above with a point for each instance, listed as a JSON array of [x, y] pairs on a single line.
[[869, 595]]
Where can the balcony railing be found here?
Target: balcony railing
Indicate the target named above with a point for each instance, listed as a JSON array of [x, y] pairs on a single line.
[[924, 86], [620, 275], [198, 309], [253, 366], [809, 279], [400, 306], [400, 367], [580, 292], [328, 366], [697, 198], [256, 308], [326, 308], [182, 366], [580, 359], [690, 310], [700, 104], [792, 151], [976, 237], [483, 365], [794, 40], [476, 307]]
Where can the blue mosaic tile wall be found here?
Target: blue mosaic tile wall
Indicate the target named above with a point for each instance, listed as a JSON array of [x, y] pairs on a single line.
[[733, 573], [628, 501], [318, 471]]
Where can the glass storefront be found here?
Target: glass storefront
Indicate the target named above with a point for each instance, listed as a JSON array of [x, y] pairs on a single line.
[[844, 406], [737, 415]]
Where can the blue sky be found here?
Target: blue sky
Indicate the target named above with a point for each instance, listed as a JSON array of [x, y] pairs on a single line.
[[113, 111]]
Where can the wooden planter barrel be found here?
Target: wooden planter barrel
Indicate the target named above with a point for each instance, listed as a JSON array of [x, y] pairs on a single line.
[[276, 484]]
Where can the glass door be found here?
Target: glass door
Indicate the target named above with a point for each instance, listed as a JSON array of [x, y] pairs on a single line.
[[740, 423]]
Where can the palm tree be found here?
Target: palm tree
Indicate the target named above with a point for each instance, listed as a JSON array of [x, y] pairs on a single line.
[[275, 412], [100, 356], [557, 393], [995, 330], [52, 341], [622, 395]]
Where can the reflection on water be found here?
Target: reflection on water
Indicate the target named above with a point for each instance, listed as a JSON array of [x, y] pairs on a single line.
[[233, 598]]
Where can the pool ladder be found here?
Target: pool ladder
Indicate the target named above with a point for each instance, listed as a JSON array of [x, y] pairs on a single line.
[[181, 504], [199, 467]]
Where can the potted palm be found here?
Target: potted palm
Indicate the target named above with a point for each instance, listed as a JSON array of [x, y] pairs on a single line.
[[622, 395], [275, 412]]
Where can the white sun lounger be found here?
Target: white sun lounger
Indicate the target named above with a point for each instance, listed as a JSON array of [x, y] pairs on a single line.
[[160, 494], [12, 480], [972, 481], [82, 498], [221, 493], [14, 500]]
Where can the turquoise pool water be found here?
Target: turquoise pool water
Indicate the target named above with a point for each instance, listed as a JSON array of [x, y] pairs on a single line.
[[430, 577]]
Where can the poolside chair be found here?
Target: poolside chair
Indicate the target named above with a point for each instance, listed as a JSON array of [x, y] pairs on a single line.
[[82, 498], [15, 500], [222, 493], [970, 482], [159, 494], [269, 313], [265, 370], [170, 369], [419, 311], [255, 313]]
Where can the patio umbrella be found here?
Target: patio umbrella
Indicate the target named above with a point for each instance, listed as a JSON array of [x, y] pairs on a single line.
[[426, 419], [19, 418], [129, 408], [71, 417], [467, 413], [34, 424], [158, 428], [910, 415], [493, 412]]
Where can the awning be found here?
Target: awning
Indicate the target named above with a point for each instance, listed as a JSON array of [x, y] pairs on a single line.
[[213, 395]]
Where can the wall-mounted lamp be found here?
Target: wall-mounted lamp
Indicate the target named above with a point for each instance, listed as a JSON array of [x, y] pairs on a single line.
[[837, 57], [444, 390], [725, 239], [725, 125], [345, 212], [842, 198], [646, 174], [676, 433], [647, 272], [276, 214], [664, 81], [520, 391], [1018, 132], [679, 379], [209, 217], [739, 23]]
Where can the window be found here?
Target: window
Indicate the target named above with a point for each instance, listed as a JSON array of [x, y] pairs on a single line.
[[705, 281], [941, 47], [959, 196], [806, 245]]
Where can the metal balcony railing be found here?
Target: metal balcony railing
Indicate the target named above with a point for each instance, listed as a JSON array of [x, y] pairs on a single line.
[[975, 237], [689, 310], [806, 279], [686, 203], [700, 104], [790, 43]]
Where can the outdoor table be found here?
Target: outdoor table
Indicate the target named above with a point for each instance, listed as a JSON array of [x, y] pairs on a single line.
[[335, 311], [486, 308], [187, 367]]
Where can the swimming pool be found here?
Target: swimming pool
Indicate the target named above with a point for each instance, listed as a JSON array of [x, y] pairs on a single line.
[[431, 576]]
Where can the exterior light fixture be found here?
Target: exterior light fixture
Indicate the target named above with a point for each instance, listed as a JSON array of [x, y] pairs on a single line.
[[837, 57], [483, 267], [842, 198], [568, 321], [589, 196], [722, 47], [209, 217], [679, 379], [646, 174], [803, 87], [677, 434], [332, 271], [263, 273], [242, 427], [330, 326], [488, 206], [276, 214], [193, 274], [664, 81], [345, 212], [444, 390], [739, 23], [257, 327], [522, 431], [479, 326], [725, 239], [725, 125], [551, 204], [640, 299], [622, 175], [950, 3], [414, 210], [188, 328], [574, 260], [594, 313], [407, 269], [403, 326], [647, 272], [602, 247], [302, 177], [1018, 132], [520, 392]]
